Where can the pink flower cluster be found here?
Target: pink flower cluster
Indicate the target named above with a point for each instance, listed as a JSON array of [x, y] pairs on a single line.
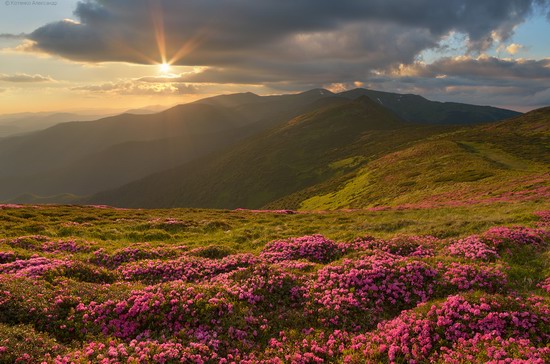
[[405, 246], [493, 349], [34, 267], [301, 300], [369, 287], [6, 206], [42, 267], [186, 268], [161, 310], [544, 219], [42, 243], [144, 351], [415, 336], [519, 235], [545, 285], [263, 283], [69, 246], [312, 346], [7, 257], [469, 276], [31, 242], [315, 248], [472, 247]]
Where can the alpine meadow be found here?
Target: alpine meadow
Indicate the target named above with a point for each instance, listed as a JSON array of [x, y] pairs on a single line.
[[269, 181]]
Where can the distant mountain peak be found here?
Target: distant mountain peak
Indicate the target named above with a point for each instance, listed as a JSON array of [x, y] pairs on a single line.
[[318, 91]]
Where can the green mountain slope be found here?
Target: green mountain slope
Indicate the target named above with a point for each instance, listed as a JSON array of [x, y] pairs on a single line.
[[87, 157], [502, 162], [83, 158], [415, 108], [307, 150]]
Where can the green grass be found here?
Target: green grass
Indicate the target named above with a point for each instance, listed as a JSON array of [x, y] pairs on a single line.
[[475, 165], [248, 231]]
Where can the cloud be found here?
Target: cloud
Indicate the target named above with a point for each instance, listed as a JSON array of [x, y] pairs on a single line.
[[514, 48], [485, 80], [13, 36], [25, 78], [511, 49], [481, 68], [294, 45], [230, 33], [135, 87]]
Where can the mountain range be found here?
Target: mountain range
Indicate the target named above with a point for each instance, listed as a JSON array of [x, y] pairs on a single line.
[[314, 150]]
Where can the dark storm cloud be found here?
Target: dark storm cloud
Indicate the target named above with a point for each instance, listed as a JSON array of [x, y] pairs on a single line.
[[229, 32]]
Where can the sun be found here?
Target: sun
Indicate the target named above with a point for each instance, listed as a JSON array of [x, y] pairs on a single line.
[[164, 67]]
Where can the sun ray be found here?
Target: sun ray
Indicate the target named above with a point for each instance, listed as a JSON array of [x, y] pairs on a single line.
[[187, 47], [158, 25]]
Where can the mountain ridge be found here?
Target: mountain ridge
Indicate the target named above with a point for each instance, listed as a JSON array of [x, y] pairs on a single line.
[[84, 158]]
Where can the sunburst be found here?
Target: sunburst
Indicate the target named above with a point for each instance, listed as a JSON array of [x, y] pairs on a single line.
[[165, 67]]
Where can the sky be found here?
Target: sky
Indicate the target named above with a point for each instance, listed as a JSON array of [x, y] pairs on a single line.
[[68, 55]]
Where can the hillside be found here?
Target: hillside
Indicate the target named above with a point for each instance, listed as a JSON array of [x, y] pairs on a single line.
[[13, 124], [87, 157], [84, 158], [506, 161], [305, 151], [415, 108]]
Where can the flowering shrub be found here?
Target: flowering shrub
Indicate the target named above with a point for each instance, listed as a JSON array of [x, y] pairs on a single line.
[[23, 301], [263, 283], [416, 335], [160, 310], [34, 267], [23, 344], [143, 351], [7, 257], [32, 242], [360, 292], [42, 243], [69, 246], [41, 267], [499, 236], [406, 246], [472, 247], [301, 300], [316, 248], [544, 218], [309, 346], [189, 269], [545, 285], [465, 277], [491, 348]]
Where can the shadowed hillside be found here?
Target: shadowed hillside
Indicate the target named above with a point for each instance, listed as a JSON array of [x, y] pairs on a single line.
[[305, 151], [87, 157], [84, 158]]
